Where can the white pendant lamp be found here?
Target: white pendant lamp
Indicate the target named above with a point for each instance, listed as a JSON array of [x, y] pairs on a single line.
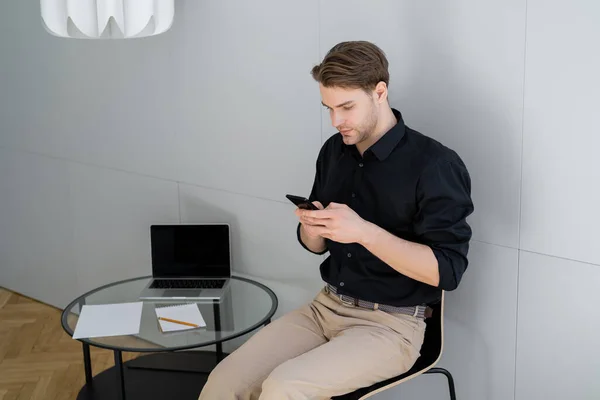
[[107, 19]]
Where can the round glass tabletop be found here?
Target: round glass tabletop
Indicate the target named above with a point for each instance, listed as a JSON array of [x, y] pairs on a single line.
[[246, 306]]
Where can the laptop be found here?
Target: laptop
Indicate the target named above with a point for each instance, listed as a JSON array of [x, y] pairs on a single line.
[[189, 262]]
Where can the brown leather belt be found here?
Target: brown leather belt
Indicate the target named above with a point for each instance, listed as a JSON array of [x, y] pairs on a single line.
[[416, 311]]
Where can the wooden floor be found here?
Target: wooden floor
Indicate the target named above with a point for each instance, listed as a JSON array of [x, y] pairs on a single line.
[[38, 360]]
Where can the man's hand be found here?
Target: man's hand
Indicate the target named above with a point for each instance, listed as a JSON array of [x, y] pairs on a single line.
[[337, 222], [309, 228]]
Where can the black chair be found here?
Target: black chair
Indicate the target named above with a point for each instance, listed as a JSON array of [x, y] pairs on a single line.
[[431, 352]]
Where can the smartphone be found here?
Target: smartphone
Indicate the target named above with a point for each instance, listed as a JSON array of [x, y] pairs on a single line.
[[301, 202]]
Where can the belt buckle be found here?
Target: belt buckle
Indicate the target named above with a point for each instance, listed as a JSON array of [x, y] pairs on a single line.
[[347, 302]]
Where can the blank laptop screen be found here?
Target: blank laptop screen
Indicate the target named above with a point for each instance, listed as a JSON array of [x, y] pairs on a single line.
[[190, 250]]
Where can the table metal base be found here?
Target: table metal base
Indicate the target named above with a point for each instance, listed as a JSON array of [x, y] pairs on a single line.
[[155, 376]]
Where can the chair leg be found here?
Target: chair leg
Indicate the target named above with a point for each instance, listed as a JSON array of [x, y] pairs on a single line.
[[450, 380]]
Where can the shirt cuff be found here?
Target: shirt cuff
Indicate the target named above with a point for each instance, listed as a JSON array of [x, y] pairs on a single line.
[[304, 245]]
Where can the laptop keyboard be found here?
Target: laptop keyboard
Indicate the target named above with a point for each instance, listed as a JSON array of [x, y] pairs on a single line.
[[187, 284]]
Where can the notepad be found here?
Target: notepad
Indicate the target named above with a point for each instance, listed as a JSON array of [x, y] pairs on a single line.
[[188, 315], [108, 320]]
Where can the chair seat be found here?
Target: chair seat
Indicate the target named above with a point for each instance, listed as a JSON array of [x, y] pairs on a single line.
[[421, 365]]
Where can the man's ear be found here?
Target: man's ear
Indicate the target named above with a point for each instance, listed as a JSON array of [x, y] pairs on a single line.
[[381, 92]]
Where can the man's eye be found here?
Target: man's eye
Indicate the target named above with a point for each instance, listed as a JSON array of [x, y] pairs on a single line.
[[348, 108]]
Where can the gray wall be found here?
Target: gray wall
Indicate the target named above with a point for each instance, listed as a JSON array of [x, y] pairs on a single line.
[[218, 118]]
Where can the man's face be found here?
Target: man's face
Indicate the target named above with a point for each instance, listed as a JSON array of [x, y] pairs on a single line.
[[352, 111]]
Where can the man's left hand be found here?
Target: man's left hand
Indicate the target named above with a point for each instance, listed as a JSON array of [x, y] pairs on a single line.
[[337, 222]]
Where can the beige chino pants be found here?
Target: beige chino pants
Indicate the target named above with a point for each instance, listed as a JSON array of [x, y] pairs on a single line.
[[323, 349]]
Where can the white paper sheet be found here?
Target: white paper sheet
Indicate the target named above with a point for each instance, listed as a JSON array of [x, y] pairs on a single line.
[[109, 320], [183, 312]]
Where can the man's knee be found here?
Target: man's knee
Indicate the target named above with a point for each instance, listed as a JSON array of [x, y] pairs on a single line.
[[216, 387], [222, 386], [274, 388], [282, 384]]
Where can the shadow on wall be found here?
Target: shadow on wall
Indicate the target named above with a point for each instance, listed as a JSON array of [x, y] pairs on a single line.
[[452, 94], [476, 111]]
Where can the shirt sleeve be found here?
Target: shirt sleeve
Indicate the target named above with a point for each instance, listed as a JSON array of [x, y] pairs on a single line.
[[313, 196], [443, 204]]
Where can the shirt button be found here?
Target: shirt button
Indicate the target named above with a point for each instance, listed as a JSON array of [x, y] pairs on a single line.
[[360, 165], [349, 255], [341, 283], [353, 194]]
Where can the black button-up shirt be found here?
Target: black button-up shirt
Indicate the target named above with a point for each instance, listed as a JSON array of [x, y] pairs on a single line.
[[413, 187]]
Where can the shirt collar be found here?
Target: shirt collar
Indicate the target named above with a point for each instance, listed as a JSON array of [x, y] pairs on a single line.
[[388, 142]]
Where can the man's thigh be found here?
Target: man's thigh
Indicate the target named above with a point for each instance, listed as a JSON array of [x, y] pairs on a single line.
[[357, 357], [240, 375]]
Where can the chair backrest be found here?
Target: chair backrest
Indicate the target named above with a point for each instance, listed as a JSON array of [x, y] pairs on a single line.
[[433, 344], [431, 352]]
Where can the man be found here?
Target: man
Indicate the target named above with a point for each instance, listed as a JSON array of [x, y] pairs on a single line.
[[392, 214]]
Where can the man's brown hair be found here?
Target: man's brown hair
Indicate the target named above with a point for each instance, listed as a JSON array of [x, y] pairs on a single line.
[[353, 65]]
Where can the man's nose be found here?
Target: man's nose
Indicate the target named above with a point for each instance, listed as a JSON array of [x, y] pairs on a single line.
[[336, 119]]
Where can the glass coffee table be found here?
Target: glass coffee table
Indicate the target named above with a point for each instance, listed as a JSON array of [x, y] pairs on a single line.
[[177, 368]]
